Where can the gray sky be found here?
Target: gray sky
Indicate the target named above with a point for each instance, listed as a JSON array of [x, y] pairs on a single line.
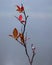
[[39, 28]]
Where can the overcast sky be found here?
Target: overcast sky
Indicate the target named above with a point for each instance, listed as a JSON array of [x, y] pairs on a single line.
[[39, 28]]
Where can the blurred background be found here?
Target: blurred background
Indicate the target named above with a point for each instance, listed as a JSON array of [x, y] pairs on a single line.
[[39, 28]]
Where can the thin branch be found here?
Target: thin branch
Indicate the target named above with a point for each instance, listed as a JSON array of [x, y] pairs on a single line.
[[19, 42], [24, 43], [23, 34], [27, 54], [32, 58], [25, 21]]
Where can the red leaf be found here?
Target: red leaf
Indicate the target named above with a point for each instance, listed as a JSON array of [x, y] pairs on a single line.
[[20, 17], [20, 9]]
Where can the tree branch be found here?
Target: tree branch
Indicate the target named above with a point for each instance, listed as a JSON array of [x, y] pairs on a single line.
[[19, 42], [32, 58], [27, 54]]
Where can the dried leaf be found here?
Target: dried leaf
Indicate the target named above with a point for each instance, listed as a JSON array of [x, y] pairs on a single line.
[[21, 37], [20, 9], [15, 34]]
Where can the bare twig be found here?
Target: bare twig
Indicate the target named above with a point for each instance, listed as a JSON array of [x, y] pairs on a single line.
[[25, 21], [30, 61], [27, 54], [19, 42], [32, 58]]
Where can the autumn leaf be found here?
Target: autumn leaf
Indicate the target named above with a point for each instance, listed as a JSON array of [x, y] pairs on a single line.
[[20, 17], [21, 37], [20, 9], [14, 34]]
